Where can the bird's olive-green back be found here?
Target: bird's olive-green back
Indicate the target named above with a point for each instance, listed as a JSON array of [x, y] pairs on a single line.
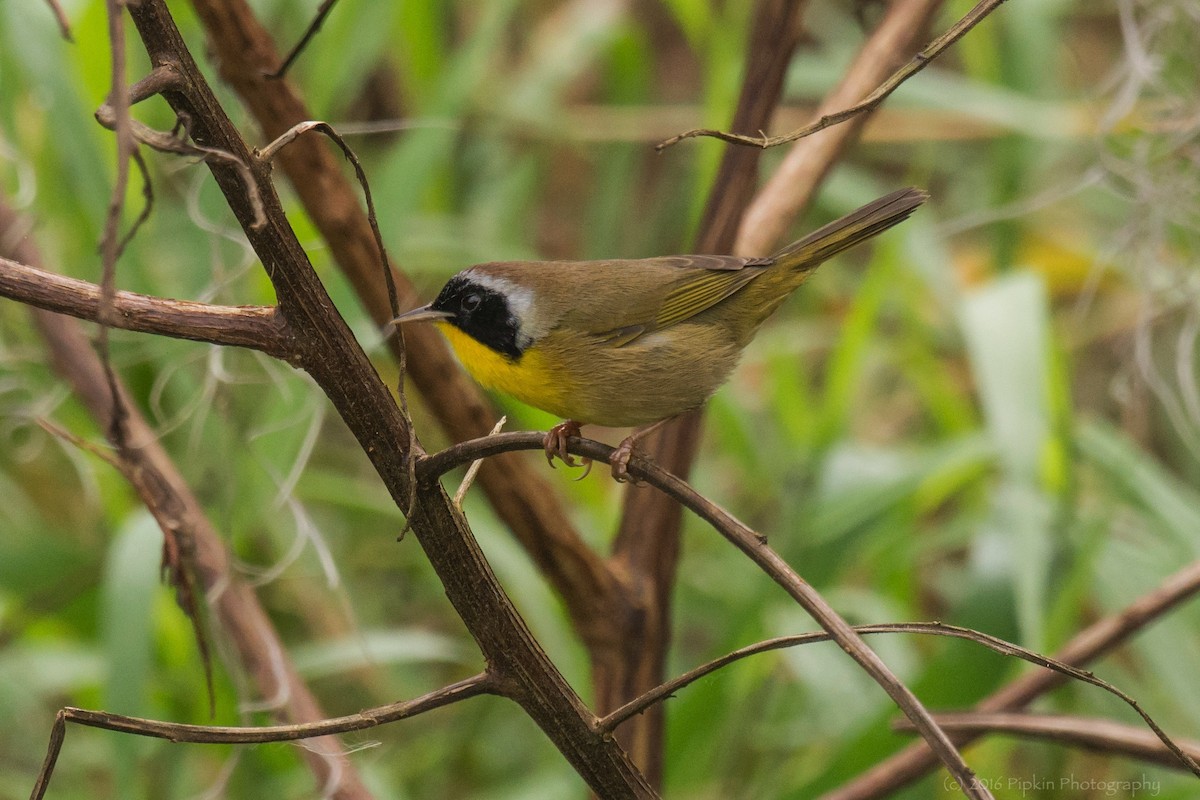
[[622, 300]]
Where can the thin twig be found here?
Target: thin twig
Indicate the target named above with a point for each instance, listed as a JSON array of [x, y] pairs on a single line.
[[871, 101], [64, 27], [640, 704], [796, 180], [1090, 733], [309, 33], [147, 202], [111, 242], [217, 734], [269, 152], [752, 545], [473, 470], [91, 448]]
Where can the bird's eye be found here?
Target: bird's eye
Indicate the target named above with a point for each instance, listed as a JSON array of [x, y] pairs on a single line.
[[471, 302]]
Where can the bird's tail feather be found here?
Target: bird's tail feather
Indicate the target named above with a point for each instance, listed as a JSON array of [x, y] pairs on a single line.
[[857, 226]]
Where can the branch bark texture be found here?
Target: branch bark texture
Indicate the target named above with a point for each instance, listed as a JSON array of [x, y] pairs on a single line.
[[254, 327]]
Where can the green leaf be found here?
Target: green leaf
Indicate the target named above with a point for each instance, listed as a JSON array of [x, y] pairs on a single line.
[[376, 648], [128, 589], [1005, 327], [1141, 481]]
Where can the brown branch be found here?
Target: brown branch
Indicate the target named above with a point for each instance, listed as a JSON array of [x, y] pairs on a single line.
[[868, 103], [1090, 733], [429, 468], [255, 327], [111, 241], [1100, 637], [218, 734], [119, 102], [329, 353], [522, 498], [154, 475]]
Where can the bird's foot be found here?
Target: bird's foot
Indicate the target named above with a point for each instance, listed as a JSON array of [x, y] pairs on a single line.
[[619, 459], [555, 445]]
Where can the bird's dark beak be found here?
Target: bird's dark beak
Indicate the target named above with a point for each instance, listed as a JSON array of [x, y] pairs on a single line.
[[422, 314]]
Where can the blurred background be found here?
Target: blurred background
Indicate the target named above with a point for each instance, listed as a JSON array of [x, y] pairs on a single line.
[[989, 417]]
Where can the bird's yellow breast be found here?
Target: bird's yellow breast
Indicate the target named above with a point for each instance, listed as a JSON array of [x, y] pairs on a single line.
[[531, 379]]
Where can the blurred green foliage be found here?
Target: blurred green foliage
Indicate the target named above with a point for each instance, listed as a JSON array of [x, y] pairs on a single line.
[[989, 418]]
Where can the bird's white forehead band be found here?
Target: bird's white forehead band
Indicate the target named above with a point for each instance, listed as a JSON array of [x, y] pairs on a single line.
[[520, 298]]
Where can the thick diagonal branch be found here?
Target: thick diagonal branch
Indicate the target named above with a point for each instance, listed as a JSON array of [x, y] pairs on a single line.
[[328, 351]]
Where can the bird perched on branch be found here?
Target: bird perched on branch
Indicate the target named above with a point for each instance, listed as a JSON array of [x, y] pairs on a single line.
[[630, 342]]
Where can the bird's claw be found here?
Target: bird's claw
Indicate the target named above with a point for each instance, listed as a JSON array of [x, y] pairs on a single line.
[[555, 445]]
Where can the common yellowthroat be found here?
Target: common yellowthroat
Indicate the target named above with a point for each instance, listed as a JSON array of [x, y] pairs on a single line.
[[628, 342]]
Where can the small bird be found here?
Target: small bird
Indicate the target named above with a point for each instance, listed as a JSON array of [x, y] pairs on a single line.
[[631, 342]]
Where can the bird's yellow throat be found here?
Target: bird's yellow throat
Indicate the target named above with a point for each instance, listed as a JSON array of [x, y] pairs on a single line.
[[530, 379]]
